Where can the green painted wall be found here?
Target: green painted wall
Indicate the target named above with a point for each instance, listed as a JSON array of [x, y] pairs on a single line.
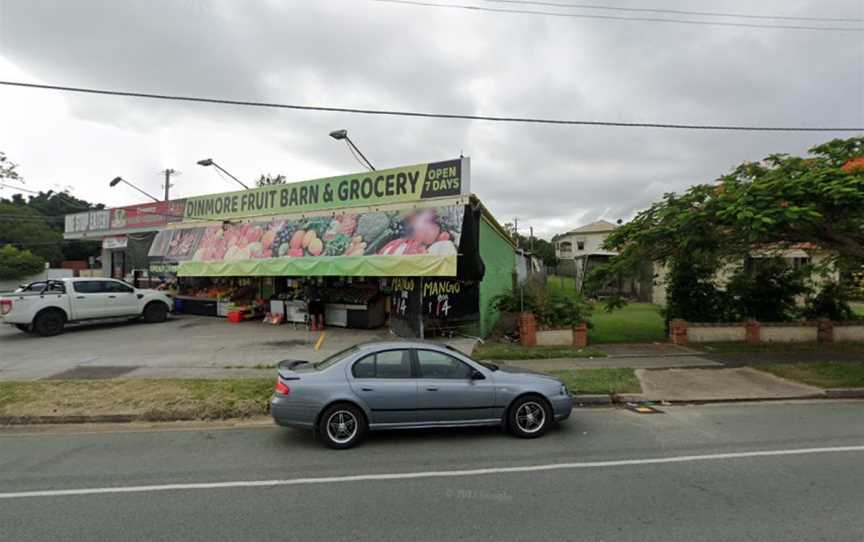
[[499, 258]]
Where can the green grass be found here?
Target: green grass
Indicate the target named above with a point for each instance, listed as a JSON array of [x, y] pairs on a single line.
[[494, 351], [168, 399], [558, 284], [735, 347], [599, 381], [636, 322], [823, 375], [858, 308]]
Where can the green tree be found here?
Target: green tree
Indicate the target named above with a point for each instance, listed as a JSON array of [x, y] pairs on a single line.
[[776, 203], [24, 228], [53, 206], [7, 168], [543, 249], [782, 200], [16, 264]]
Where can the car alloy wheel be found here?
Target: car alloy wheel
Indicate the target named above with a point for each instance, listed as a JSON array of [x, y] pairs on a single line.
[[530, 417], [342, 427]]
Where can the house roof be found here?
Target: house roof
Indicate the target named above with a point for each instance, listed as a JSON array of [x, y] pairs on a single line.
[[600, 226]]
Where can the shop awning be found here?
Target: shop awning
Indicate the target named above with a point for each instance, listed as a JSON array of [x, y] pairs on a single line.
[[409, 241]]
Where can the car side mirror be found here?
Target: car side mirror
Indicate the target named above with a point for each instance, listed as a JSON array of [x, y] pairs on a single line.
[[477, 375]]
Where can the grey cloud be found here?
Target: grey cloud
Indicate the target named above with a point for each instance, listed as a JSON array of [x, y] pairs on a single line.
[[365, 54]]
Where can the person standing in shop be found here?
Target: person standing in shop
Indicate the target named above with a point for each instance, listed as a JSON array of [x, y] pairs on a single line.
[[315, 304]]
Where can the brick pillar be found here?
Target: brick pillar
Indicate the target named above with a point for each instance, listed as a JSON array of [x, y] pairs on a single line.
[[825, 333], [527, 329], [580, 335], [753, 332], [678, 332]]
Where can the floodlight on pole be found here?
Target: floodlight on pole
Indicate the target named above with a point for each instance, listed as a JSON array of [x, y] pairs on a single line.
[[117, 180], [343, 134], [210, 162]]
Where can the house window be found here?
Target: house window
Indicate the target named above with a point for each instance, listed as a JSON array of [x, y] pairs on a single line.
[[566, 247], [798, 263], [580, 245]]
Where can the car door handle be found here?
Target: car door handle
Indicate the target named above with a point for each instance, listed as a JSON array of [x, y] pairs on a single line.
[[112, 296], [431, 388], [79, 297], [368, 389]]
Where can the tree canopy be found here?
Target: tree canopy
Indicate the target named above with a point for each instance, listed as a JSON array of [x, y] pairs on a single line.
[[36, 222], [779, 202]]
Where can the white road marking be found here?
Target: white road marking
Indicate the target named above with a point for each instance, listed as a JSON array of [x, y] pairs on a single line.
[[428, 474]]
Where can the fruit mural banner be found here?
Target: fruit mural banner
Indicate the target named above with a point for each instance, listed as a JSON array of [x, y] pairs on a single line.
[[396, 185], [408, 242]]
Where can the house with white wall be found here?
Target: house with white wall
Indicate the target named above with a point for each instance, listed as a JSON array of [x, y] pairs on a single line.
[[581, 250]]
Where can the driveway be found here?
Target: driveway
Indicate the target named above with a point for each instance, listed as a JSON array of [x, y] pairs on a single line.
[[179, 348]]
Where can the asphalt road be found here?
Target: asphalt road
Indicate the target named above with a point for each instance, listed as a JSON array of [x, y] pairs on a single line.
[[606, 483]]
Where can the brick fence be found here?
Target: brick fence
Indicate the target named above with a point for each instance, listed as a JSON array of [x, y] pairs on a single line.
[[753, 332], [569, 336]]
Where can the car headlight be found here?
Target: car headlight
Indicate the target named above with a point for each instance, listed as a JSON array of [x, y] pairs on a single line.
[[563, 390]]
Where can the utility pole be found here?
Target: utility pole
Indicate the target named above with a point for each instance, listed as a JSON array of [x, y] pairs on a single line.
[[516, 230], [168, 172], [531, 239]]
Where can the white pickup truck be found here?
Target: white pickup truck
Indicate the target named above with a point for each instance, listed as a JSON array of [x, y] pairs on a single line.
[[46, 307]]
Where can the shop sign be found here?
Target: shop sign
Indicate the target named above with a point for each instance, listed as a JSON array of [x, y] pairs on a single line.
[[163, 267], [396, 185], [147, 215], [133, 217], [408, 242], [88, 221], [437, 298], [111, 243]]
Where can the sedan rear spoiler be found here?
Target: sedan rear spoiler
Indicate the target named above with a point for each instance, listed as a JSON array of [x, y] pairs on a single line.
[[286, 368]]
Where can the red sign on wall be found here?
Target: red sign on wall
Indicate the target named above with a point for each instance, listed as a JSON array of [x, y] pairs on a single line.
[[147, 214]]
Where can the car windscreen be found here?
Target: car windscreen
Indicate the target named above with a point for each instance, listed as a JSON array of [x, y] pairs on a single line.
[[327, 362]]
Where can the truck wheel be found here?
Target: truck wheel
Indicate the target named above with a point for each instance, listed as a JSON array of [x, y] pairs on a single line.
[[23, 327], [49, 322], [155, 312]]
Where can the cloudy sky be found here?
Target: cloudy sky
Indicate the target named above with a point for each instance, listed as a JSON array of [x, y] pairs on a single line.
[[367, 54]]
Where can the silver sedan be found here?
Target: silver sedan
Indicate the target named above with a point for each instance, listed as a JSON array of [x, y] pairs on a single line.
[[401, 385]]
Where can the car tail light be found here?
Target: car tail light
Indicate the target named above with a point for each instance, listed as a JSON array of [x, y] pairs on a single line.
[[281, 387], [5, 306]]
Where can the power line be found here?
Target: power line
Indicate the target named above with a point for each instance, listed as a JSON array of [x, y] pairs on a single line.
[[417, 114], [618, 17], [677, 11]]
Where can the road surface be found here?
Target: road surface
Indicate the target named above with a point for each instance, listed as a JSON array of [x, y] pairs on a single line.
[[758, 472]]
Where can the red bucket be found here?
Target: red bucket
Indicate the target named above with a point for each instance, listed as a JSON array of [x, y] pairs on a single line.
[[235, 317]]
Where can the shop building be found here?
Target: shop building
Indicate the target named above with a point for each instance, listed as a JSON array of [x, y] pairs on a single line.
[[408, 247]]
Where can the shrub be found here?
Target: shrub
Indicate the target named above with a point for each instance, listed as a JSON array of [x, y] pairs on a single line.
[[16, 264], [831, 302], [766, 289], [551, 310]]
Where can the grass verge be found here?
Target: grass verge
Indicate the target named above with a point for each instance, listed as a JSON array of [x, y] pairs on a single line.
[[734, 347], [599, 381], [150, 400], [494, 351], [822, 375]]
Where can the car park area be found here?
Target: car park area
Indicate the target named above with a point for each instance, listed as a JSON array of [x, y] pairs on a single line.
[[180, 348]]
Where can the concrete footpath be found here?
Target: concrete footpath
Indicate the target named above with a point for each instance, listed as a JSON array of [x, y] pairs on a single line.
[[677, 374]]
